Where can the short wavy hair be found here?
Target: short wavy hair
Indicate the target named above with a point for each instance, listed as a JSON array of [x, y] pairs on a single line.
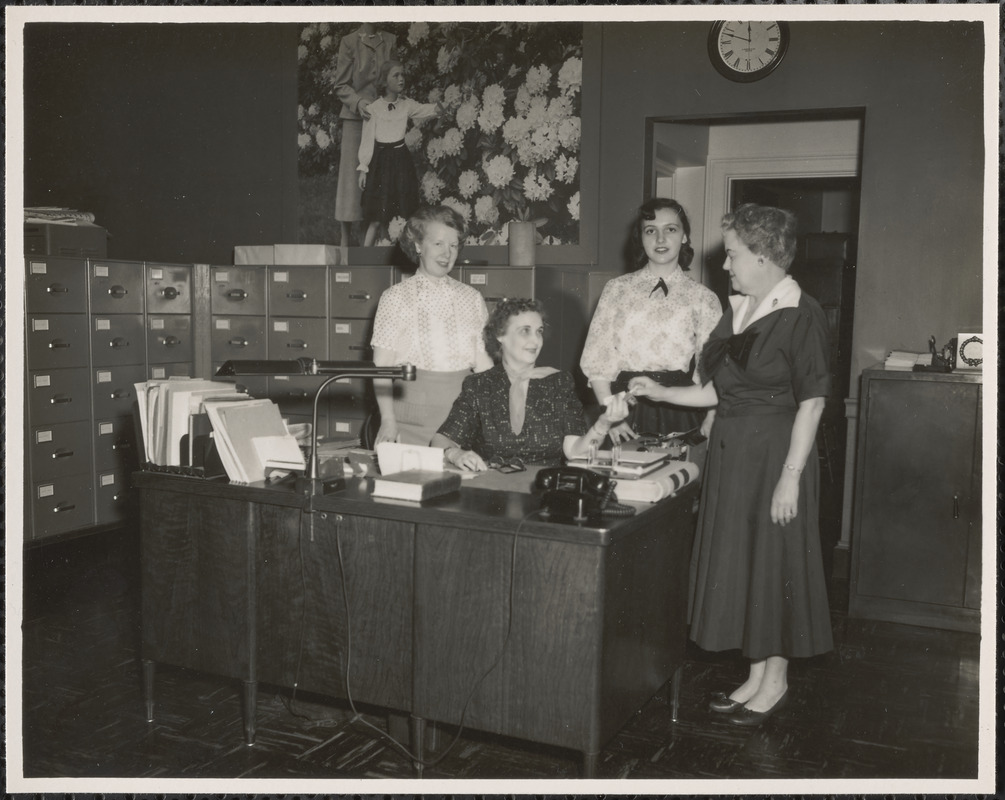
[[647, 213], [385, 69], [499, 319], [415, 229], [766, 231]]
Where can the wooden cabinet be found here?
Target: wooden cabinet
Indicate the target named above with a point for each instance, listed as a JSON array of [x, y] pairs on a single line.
[[916, 544]]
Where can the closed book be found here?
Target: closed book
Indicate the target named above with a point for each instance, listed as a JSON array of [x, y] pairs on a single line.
[[416, 484]]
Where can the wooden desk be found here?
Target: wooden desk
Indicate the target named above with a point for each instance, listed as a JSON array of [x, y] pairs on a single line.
[[247, 582]]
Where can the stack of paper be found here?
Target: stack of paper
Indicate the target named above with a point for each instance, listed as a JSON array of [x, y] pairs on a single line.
[[663, 483], [251, 438], [167, 411], [903, 360]]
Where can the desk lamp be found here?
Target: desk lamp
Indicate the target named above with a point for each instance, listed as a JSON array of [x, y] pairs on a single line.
[[334, 370]]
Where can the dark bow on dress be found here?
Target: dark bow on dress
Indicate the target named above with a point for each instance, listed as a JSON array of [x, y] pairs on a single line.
[[737, 347]]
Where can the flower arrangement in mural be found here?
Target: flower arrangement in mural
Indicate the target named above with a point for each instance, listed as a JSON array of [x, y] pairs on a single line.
[[506, 146]]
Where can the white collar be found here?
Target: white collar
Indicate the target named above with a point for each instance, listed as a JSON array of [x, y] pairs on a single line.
[[784, 294]]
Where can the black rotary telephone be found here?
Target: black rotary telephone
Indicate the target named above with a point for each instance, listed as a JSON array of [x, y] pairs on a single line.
[[578, 493]]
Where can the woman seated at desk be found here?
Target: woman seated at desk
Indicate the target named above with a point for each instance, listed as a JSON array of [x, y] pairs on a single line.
[[517, 410]]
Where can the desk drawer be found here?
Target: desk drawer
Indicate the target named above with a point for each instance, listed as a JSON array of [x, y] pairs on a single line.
[[297, 291], [59, 395], [169, 339], [169, 289], [116, 287], [115, 391], [238, 290], [117, 339], [56, 451], [499, 283], [355, 292], [294, 337], [239, 337], [61, 505], [115, 446], [57, 340], [56, 285]]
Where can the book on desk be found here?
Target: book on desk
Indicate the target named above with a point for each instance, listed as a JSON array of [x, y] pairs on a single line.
[[416, 484]]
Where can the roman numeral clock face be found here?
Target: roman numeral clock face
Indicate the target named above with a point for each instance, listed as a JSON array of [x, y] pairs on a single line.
[[747, 51]]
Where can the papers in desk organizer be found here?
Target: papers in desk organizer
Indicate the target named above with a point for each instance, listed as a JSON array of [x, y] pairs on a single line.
[[168, 411], [394, 457], [632, 464], [250, 436], [663, 483]]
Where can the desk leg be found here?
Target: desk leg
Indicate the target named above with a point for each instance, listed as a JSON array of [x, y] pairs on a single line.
[[416, 742], [675, 682], [148, 687], [249, 696], [590, 764]]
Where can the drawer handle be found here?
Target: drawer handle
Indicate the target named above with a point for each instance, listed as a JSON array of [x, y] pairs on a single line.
[[118, 341], [238, 341], [118, 291], [297, 295], [119, 394], [237, 294], [169, 292], [63, 507], [359, 296], [170, 341], [122, 445], [298, 344], [59, 399], [494, 299], [57, 288], [57, 344], [62, 454], [358, 346], [956, 506]]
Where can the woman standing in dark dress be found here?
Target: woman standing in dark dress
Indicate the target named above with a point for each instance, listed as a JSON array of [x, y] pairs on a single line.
[[757, 580]]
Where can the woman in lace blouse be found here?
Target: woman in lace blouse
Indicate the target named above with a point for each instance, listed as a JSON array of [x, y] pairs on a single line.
[[429, 320], [653, 322]]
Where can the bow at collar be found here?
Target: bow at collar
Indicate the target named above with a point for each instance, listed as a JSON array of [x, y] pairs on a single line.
[[736, 347]]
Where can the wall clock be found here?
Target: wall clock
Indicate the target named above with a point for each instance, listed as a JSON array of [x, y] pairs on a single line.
[[747, 51]]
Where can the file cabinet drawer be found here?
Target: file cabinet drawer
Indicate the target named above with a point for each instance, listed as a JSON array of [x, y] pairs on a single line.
[[117, 339], [57, 340], [56, 285], [56, 451], [355, 292], [238, 290], [169, 289], [180, 369], [293, 337], [297, 291], [499, 283], [345, 425], [59, 395], [114, 500], [114, 389], [294, 395], [115, 446], [350, 340], [169, 339], [116, 287], [61, 505], [241, 337]]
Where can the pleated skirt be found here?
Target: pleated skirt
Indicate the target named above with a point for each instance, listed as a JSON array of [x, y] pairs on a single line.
[[756, 585]]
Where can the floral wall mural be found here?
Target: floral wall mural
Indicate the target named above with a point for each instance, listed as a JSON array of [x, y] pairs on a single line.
[[505, 147]]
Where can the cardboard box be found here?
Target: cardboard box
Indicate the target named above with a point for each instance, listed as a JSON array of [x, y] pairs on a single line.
[[292, 254], [54, 239], [255, 254]]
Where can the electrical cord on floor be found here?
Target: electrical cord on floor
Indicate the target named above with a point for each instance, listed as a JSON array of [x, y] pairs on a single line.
[[357, 717]]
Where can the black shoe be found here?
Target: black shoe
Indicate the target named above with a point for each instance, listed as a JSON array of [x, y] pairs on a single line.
[[746, 718], [721, 703]]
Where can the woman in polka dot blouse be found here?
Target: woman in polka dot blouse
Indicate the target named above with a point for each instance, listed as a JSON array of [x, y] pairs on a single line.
[[429, 320]]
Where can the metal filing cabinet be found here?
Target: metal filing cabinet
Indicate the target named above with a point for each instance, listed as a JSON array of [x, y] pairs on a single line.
[[94, 328], [497, 283]]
